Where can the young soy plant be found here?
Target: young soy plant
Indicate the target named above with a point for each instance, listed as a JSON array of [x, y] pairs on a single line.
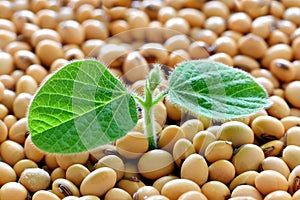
[[83, 106]]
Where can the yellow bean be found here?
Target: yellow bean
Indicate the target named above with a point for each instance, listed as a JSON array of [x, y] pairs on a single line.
[[8, 174], [195, 168], [129, 151], [175, 188], [155, 164]]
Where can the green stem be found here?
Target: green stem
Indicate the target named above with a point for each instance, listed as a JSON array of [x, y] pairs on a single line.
[[140, 101], [149, 119], [147, 104], [160, 97], [149, 127], [152, 82]]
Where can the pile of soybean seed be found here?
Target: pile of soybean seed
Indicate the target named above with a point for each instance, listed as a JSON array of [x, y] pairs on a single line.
[[256, 157]]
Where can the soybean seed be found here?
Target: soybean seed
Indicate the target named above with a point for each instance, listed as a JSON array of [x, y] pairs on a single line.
[[13, 190], [66, 160], [245, 178], [3, 131], [246, 190], [129, 151], [267, 128], [215, 190], [11, 152], [130, 185], [21, 165], [236, 132], [192, 195], [63, 188], [182, 149], [269, 181], [117, 193], [145, 192], [175, 188], [276, 164], [272, 148], [8, 174], [160, 182], [218, 150], [169, 136], [292, 93], [155, 164], [250, 154], [289, 156], [221, 170], [195, 168], [113, 162], [277, 195], [76, 173], [35, 179]]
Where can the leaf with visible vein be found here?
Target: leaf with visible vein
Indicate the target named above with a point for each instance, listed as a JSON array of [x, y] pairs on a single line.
[[80, 107], [215, 90]]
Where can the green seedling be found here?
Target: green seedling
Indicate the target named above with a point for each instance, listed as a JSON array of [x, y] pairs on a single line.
[[83, 106]]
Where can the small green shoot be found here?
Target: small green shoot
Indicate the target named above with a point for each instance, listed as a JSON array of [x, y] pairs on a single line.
[[83, 106]]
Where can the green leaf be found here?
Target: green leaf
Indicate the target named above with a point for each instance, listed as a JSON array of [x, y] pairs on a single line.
[[80, 107], [215, 90]]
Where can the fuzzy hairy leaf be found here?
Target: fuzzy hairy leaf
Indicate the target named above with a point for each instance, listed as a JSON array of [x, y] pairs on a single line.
[[79, 108], [215, 90]]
